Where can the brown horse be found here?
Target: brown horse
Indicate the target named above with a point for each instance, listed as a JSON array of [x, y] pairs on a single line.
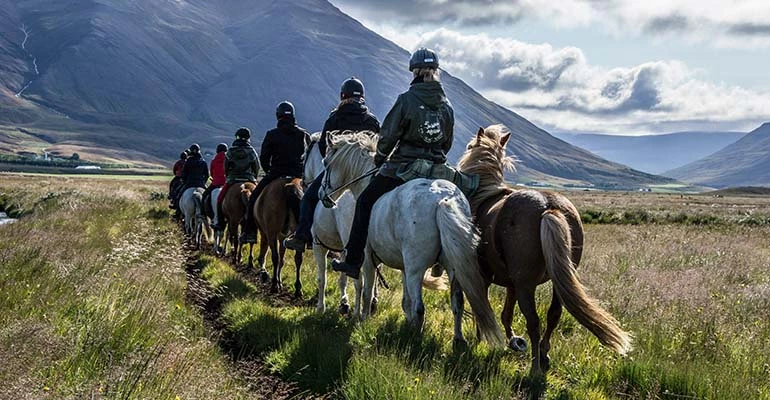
[[527, 238], [233, 210], [275, 220]]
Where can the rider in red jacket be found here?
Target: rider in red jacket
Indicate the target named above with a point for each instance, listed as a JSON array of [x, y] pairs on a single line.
[[217, 172]]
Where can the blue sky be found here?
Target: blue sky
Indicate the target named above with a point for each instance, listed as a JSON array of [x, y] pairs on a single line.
[[606, 66]]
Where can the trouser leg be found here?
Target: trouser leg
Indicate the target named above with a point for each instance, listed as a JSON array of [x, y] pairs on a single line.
[[307, 209], [359, 231]]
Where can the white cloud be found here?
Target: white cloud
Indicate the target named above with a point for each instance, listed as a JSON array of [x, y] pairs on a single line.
[[559, 88], [733, 24]]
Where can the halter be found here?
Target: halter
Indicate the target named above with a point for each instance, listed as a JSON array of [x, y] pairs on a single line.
[[327, 200]]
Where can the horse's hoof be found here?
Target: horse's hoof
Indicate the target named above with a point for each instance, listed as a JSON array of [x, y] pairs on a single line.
[[545, 362], [517, 343], [298, 294], [273, 289], [373, 308], [264, 277], [459, 343], [344, 309]]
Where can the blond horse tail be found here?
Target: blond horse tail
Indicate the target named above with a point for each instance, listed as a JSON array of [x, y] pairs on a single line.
[[556, 242], [458, 253]]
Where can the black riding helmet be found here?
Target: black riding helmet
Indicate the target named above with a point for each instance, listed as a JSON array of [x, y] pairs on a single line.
[[183, 156], [221, 148], [352, 87], [195, 149], [423, 58], [243, 133], [284, 110]]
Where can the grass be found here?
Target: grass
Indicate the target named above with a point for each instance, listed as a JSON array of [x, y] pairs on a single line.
[[102, 311], [92, 298]]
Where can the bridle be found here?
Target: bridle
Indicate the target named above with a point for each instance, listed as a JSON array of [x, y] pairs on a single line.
[[327, 200]]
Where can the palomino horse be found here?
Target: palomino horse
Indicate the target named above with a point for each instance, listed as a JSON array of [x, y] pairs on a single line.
[[331, 228], [527, 238], [413, 227], [195, 222], [275, 220], [233, 210]]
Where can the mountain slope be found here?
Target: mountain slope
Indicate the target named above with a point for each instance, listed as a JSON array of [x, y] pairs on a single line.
[[173, 72], [654, 153], [743, 163]]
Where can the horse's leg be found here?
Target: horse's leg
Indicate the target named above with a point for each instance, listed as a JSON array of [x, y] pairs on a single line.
[[414, 274], [506, 316], [406, 301], [276, 257], [458, 306], [319, 253], [367, 269], [342, 282], [526, 297], [554, 314], [358, 283], [297, 266], [375, 300], [263, 275]]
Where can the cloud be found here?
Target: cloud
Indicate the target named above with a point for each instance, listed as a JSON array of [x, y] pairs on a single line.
[[558, 87], [702, 21]]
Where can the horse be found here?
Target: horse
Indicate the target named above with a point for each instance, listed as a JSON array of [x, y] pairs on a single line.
[[413, 227], [274, 222], [211, 212], [527, 238], [234, 207], [331, 228], [196, 224]]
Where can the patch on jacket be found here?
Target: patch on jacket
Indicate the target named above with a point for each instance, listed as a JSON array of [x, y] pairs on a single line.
[[430, 128]]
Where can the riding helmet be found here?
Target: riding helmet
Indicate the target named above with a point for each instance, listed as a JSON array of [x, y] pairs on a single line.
[[222, 147], [183, 156], [352, 87], [195, 149], [243, 133], [284, 110], [423, 58]]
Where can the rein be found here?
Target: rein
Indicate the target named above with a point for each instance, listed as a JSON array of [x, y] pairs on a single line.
[[327, 183]]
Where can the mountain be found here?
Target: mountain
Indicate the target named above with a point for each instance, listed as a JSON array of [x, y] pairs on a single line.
[[743, 163], [144, 78], [654, 153]]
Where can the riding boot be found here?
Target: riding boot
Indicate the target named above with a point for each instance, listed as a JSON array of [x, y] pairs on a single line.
[[249, 226]]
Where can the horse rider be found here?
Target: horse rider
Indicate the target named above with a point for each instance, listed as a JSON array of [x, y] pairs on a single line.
[[241, 165], [217, 172], [351, 114], [176, 182], [281, 155], [419, 128], [195, 173]]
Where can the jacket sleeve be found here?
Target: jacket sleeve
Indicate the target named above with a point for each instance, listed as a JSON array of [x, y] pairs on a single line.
[[185, 171], [265, 154], [228, 165], [374, 124], [391, 132], [206, 171], [254, 165], [450, 131], [329, 125]]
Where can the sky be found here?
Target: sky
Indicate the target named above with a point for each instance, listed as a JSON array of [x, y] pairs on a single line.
[[600, 66]]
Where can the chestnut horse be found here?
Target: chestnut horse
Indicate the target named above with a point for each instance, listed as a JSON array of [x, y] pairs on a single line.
[[274, 221], [233, 210], [527, 238]]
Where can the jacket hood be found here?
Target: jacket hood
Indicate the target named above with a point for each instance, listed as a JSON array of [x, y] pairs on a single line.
[[354, 107], [430, 93]]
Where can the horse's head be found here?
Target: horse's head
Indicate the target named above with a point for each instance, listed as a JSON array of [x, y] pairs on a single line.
[[313, 160], [349, 156], [487, 150]]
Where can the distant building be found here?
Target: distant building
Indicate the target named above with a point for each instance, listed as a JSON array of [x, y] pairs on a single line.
[[88, 167]]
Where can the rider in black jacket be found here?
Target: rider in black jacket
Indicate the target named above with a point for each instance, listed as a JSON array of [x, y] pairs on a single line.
[[351, 114], [195, 172], [282, 155]]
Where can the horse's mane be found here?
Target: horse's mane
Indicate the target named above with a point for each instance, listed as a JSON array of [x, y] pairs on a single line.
[[315, 137], [486, 158], [366, 140], [356, 148]]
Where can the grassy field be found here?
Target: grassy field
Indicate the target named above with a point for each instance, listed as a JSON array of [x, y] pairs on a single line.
[[92, 293]]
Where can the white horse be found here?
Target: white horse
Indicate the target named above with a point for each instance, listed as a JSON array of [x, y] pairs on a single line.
[[331, 228], [196, 224], [219, 234], [413, 227]]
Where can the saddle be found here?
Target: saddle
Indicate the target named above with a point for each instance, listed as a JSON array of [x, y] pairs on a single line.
[[468, 183]]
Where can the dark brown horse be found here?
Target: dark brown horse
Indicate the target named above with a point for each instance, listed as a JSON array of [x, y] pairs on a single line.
[[233, 210], [274, 221], [527, 238]]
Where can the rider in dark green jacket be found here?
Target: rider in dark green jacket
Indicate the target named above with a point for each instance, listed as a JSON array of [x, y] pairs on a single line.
[[418, 127], [241, 165]]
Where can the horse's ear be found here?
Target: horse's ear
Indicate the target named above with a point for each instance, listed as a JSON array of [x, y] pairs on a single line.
[[504, 139], [479, 134]]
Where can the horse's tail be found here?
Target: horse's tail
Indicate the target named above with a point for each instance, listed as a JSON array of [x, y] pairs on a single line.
[[245, 194], [434, 282], [459, 240], [556, 242]]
